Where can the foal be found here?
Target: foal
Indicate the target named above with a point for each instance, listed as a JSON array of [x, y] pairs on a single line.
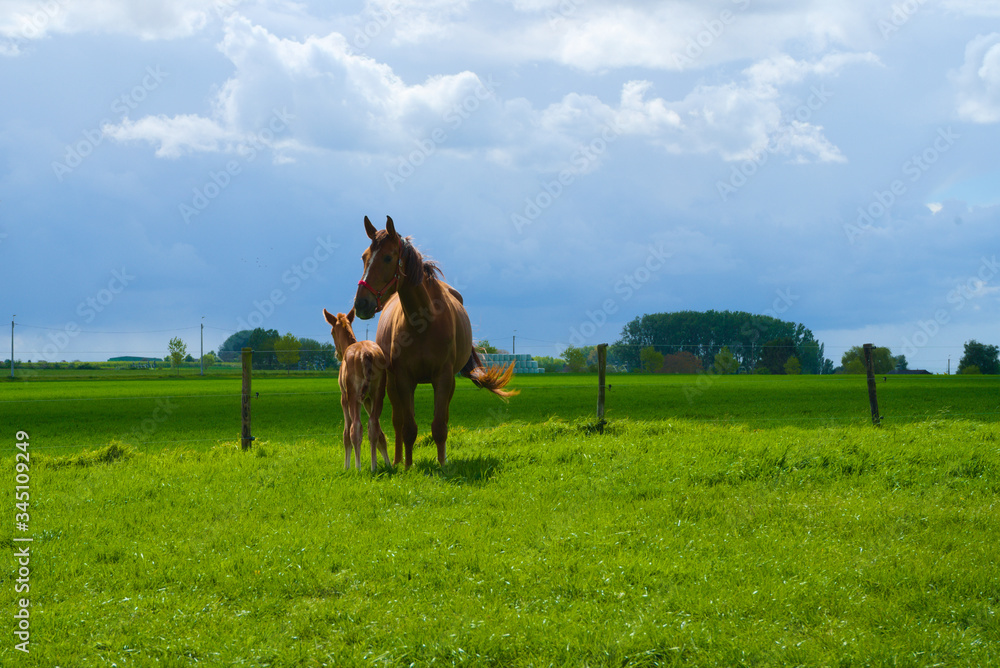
[[362, 380]]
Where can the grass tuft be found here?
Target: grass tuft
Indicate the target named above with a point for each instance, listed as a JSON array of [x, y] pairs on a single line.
[[109, 454]]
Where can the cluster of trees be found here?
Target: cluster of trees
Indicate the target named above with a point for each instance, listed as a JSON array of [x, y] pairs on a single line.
[[271, 351], [723, 341], [976, 358], [979, 358]]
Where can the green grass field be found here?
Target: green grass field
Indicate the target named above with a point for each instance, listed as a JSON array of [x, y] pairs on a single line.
[[741, 521], [193, 412]]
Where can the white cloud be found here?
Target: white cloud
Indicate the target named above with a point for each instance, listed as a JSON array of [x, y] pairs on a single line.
[[152, 19], [978, 80], [342, 101], [175, 135], [339, 100]]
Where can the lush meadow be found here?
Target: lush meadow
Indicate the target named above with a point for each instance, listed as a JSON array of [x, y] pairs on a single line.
[[199, 412], [716, 521]]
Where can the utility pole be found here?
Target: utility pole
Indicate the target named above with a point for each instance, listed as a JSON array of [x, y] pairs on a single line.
[[202, 359], [513, 343], [12, 345]]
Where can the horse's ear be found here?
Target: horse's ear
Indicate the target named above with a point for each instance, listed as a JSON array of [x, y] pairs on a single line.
[[350, 315], [330, 318], [370, 229], [390, 227]]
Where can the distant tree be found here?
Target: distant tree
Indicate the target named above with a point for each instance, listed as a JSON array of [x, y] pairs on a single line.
[[650, 359], [987, 358], [855, 366], [853, 360], [209, 359], [486, 347], [793, 367], [575, 359], [550, 364], [286, 349], [176, 350], [682, 362], [775, 353], [230, 349], [901, 363], [705, 333], [971, 370], [725, 362], [262, 342], [310, 352]]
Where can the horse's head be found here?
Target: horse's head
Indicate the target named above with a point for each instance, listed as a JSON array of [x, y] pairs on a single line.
[[341, 330], [389, 259]]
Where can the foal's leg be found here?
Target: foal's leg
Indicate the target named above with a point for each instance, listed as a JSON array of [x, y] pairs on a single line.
[[373, 404], [356, 430], [345, 405], [444, 389]]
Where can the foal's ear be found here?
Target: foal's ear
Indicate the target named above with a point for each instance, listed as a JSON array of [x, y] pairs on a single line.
[[390, 227], [370, 229], [330, 318], [350, 316]]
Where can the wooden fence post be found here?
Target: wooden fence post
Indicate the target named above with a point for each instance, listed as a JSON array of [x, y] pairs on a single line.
[[872, 399], [602, 362], [247, 365]]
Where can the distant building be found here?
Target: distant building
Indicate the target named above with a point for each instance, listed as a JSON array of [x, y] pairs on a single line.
[[911, 372], [134, 359]]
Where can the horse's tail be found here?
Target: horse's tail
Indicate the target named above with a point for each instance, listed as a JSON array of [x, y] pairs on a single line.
[[493, 378], [367, 361]]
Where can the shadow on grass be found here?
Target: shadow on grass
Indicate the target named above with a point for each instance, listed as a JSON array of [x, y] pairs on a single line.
[[475, 471]]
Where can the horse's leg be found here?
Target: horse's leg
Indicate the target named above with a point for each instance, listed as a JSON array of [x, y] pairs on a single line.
[[444, 389], [403, 419], [356, 430], [344, 404]]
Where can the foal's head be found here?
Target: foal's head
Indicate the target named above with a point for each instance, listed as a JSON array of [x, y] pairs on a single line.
[[341, 331]]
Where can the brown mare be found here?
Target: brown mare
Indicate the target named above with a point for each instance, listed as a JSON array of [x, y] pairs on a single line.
[[424, 332], [362, 381]]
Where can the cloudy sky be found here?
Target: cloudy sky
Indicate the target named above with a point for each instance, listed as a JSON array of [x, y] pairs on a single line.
[[571, 164]]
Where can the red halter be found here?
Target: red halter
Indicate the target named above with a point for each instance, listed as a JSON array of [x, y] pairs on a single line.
[[395, 277]]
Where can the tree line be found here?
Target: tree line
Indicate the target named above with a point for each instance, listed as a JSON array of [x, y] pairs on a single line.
[[725, 341], [272, 350], [977, 358]]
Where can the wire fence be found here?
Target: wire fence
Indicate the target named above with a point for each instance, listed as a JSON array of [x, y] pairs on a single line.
[[196, 418]]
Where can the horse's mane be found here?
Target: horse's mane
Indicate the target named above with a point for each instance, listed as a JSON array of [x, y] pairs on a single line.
[[416, 267]]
